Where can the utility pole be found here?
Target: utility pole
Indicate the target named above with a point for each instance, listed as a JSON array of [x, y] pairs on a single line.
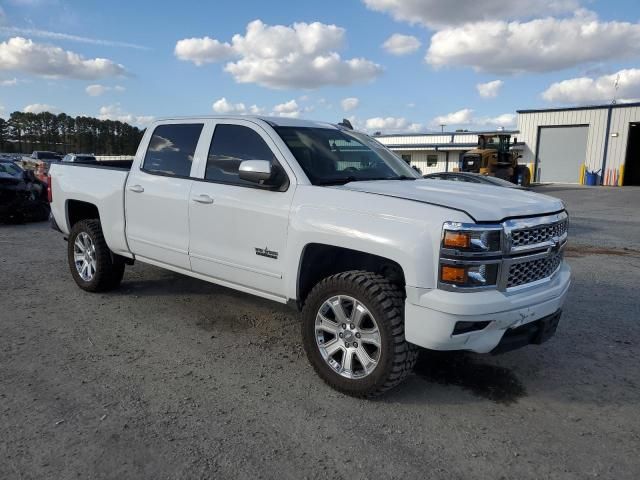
[[442, 125]]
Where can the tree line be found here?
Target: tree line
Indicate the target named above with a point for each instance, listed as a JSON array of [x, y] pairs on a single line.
[[25, 132]]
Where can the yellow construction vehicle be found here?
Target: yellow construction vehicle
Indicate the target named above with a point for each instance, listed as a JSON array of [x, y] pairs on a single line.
[[494, 157]]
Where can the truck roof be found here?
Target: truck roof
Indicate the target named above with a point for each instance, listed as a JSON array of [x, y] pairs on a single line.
[[273, 121]]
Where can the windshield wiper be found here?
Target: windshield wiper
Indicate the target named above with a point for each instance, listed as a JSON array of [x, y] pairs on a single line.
[[335, 181]]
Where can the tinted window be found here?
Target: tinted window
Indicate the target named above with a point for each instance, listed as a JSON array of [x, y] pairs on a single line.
[[231, 145], [171, 149]]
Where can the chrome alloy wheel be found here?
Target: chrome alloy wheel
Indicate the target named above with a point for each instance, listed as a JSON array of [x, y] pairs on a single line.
[[84, 256], [348, 337]]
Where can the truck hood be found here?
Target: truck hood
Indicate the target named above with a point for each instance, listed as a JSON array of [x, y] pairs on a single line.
[[483, 203]]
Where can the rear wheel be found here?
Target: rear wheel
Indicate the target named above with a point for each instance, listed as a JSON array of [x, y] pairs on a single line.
[[353, 333], [93, 266]]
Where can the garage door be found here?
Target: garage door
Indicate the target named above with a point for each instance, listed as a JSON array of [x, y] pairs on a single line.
[[561, 152]]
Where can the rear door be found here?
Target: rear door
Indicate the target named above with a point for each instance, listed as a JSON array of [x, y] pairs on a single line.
[[157, 194], [239, 229]]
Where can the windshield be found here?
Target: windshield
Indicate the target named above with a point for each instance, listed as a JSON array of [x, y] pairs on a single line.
[[331, 156]]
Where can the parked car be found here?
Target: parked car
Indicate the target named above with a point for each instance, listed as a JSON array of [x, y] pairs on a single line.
[[473, 178], [46, 156], [79, 158], [22, 196], [39, 161], [329, 221]]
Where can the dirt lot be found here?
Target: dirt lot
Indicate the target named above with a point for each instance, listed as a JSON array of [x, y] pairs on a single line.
[[171, 377]]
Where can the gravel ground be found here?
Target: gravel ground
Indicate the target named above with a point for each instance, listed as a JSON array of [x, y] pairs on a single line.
[[171, 377]]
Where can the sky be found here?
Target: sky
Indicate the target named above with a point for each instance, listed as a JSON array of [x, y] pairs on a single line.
[[387, 65]]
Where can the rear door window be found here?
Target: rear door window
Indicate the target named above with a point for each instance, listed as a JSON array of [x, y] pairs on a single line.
[[171, 149]]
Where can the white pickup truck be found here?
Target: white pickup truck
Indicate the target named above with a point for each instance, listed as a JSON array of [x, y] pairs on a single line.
[[379, 260]]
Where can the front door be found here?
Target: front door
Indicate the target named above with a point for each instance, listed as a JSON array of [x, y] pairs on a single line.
[[239, 229], [157, 195]]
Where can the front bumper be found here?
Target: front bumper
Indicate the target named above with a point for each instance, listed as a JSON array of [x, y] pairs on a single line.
[[431, 315]]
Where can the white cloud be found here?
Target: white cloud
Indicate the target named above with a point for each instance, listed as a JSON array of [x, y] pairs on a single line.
[[386, 123], [349, 103], [414, 127], [489, 89], [97, 90], [303, 55], [10, 82], [115, 112], [21, 54], [225, 107], [40, 108], [439, 13], [34, 32], [466, 118], [540, 45], [505, 120], [461, 117], [202, 50], [398, 44], [289, 109], [602, 89]]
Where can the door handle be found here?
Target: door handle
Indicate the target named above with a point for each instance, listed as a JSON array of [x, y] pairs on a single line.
[[203, 199], [136, 188]]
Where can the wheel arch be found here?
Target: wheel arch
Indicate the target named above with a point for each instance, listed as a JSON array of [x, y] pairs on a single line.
[[320, 260], [78, 210]]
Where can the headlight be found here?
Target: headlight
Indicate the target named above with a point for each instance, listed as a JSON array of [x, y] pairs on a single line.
[[469, 275], [470, 256], [471, 238]]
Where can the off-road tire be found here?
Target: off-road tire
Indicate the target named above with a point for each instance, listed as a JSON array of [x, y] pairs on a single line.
[[109, 267], [386, 302]]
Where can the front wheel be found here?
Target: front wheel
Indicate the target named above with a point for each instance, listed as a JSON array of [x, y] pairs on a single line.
[[93, 266], [353, 333]]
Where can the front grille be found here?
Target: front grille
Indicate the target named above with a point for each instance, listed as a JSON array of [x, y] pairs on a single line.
[[539, 234], [527, 272]]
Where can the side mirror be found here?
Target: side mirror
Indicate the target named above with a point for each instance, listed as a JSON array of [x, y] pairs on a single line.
[[256, 171]]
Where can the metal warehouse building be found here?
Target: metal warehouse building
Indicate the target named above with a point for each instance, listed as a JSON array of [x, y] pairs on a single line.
[[436, 152], [605, 138], [558, 144]]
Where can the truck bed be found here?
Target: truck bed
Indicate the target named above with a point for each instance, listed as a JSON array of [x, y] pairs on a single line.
[[100, 185]]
